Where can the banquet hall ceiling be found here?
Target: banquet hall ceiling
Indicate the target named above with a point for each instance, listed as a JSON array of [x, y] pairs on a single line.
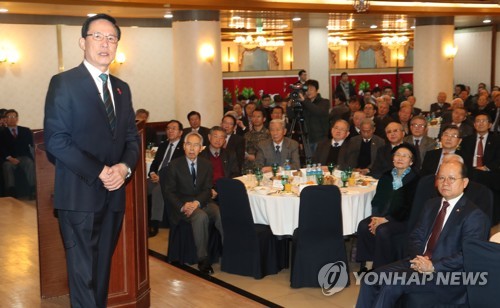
[[274, 17]]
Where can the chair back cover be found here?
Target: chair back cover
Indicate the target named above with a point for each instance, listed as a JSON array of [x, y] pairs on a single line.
[[319, 238]]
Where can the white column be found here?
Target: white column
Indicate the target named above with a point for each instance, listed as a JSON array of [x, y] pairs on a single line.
[[197, 81], [432, 71], [310, 52]]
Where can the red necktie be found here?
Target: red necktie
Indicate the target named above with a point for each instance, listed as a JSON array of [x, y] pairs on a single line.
[[14, 133], [480, 152], [436, 230]]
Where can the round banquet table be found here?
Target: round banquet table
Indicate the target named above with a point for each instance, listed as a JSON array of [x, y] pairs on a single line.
[[281, 211]]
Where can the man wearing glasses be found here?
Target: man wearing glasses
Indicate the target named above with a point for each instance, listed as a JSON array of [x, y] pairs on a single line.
[[450, 140], [419, 139], [435, 246], [90, 130]]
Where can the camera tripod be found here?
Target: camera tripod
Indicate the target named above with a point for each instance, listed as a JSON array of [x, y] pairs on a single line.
[[299, 128]]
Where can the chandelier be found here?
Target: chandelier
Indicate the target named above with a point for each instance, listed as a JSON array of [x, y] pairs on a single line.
[[335, 43], [361, 6], [249, 42], [394, 42]]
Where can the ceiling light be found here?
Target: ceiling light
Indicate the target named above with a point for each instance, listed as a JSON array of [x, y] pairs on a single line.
[[168, 15], [373, 27], [487, 21], [350, 20], [394, 42], [296, 19], [235, 17], [3, 10], [400, 20], [91, 14], [412, 27]]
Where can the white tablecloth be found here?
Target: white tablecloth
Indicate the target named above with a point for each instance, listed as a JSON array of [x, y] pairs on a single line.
[[281, 213]]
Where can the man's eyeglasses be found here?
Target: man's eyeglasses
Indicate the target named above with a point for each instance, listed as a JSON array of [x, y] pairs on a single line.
[[450, 136], [449, 179], [418, 125], [392, 131], [11, 117], [98, 36]]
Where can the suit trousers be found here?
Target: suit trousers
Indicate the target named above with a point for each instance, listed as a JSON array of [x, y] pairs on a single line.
[[200, 221], [157, 203], [377, 248], [26, 164], [89, 240]]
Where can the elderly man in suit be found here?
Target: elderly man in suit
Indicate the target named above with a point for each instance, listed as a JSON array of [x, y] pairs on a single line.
[[334, 150], [224, 162], [90, 131], [16, 144], [441, 105], [419, 139], [435, 246], [450, 140], [458, 117], [194, 118], [167, 151], [278, 149], [362, 150], [234, 142], [188, 190]]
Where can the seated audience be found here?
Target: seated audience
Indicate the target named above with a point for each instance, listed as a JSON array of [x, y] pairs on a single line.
[[224, 162], [339, 111], [440, 106], [455, 103], [404, 116], [16, 148], [483, 106], [234, 142], [459, 119], [495, 128], [391, 207], [245, 123], [419, 139], [382, 118], [168, 150], [334, 151], [194, 118], [278, 149], [370, 110], [362, 150], [257, 134], [188, 191], [435, 246], [450, 140], [414, 111], [394, 134], [143, 115], [355, 125]]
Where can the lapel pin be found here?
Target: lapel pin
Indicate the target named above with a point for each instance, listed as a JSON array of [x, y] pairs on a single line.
[[119, 91]]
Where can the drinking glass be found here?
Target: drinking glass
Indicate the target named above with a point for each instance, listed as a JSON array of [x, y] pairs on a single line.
[[320, 178], [275, 168], [344, 177], [331, 166], [258, 175]]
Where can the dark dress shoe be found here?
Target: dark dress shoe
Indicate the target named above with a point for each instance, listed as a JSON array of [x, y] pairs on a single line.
[[205, 267], [153, 231]]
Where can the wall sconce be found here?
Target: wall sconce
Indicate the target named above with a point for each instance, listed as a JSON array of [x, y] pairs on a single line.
[[230, 59], [10, 56], [450, 52], [120, 58], [207, 53]]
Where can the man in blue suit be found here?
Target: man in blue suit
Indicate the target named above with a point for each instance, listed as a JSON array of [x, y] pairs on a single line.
[[435, 245], [91, 134]]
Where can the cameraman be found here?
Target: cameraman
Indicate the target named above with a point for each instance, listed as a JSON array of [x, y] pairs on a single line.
[[315, 113]]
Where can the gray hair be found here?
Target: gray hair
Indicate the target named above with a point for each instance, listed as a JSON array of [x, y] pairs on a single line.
[[280, 121], [195, 134]]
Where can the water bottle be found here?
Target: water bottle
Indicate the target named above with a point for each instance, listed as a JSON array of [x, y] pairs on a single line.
[[287, 168]]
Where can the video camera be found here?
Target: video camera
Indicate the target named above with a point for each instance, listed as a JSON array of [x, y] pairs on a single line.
[[294, 96]]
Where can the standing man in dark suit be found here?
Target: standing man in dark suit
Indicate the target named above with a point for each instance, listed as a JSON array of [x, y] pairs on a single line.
[[90, 131], [16, 144], [194, 118], [435, 245], [344, 89], [167, 151], [234, 142], [188, 191], [224, 162], [362, 149]]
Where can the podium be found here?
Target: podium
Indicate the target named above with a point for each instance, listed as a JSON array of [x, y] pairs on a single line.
[[129, 282]]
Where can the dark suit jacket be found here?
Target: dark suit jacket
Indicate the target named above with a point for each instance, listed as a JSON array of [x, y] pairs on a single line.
[[466, 221], [339, 92], [229, 161], [323, 149], [289, 150], [431, 162], [177, 185], [438, 111], [236, 144], [203, 131], [354, 147], [162, 148], [16, 147], [465, 129], [380, 124], [491, 156], [78, 134]]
